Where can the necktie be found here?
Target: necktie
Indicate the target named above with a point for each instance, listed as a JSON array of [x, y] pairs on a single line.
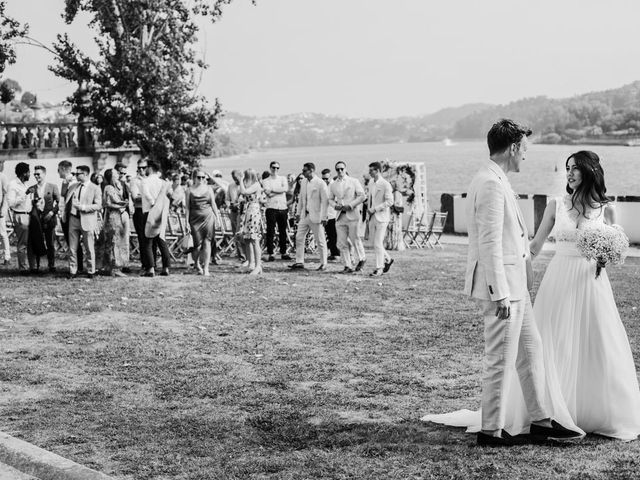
[[74, 211]]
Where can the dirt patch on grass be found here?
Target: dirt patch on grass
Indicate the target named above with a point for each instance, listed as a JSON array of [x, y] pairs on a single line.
[[366, 320]]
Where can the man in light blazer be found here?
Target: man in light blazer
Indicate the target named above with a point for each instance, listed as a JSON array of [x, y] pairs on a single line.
[[86, 200], [346, 195], [312, 215], [497, 278], [380, 201]]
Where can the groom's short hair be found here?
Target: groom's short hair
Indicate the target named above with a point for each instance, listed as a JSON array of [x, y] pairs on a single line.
[[503, 133]]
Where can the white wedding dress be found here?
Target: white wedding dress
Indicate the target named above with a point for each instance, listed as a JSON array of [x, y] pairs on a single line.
[[591, 379]]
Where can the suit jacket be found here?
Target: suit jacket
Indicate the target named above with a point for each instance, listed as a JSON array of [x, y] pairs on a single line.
[[51, 198], [498, 238], [381, 199], [347, 192], [90, 204], [317, 207]]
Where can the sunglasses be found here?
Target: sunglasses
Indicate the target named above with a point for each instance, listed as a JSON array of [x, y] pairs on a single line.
[[201, 177], [142, 168], [275, 168], [339, 169], [36, 174]]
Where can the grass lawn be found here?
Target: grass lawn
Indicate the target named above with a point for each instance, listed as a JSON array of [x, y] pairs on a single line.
[[287, 376]]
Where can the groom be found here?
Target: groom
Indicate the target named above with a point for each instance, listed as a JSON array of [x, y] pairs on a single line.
[[498, 278]]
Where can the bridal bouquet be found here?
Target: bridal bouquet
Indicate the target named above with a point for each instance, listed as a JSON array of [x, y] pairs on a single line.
[[605, 244]]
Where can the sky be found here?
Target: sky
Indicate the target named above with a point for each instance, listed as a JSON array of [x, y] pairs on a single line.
[[382, 58]]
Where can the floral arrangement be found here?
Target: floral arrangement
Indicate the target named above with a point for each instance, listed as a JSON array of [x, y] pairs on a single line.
[[404, 174], [605, 244]]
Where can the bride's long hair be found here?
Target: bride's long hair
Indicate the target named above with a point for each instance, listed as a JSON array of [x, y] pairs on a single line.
[[591, 193]]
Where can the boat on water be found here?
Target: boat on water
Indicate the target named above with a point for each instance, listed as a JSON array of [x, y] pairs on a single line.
[[447, 142]]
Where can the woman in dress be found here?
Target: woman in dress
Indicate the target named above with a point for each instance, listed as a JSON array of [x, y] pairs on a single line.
[[585, 343], [252, 220], [393, 239], [116, 203], [201, 211]]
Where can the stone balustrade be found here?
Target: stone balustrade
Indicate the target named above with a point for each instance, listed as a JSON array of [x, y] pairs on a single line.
[[18, 138]]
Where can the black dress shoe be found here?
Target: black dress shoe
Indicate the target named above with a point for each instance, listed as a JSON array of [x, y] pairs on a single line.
[[360, 265], [347, 270], [321, 268], [505, 440], [71, 276], [332, 258], [164, 272], [286, 256], [556, 433], [271, 258], [90, 276], [297, 266], [125, 270], [387, 265]]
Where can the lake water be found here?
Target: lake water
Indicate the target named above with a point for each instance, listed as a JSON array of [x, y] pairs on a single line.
[[450, 168]]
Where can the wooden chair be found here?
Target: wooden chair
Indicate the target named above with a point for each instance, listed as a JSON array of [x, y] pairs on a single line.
[[436, 228], [416, 233]]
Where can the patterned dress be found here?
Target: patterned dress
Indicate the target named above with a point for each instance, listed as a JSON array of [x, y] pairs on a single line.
[[252, 219], [116, 228]]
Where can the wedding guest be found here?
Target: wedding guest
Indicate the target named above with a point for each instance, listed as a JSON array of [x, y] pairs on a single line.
[[379, 212], [312, 216], [276, 213], [346, 195], [330, 229], [177, 195], [20, 201], [86, 202], [97, 179], [4, 235], [251, 189], [124, 186], [138, 215], [201, 211], [116, 203], [393, 239], [99, 241], [155, 209], [235, 200], [46, 199], [68, 179]]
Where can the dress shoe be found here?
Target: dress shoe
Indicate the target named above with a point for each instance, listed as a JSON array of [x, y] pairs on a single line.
[[71, 276], [271, 258], [347, 270], [505, 440], [164, 272], [332, 258], [297, 266], [360, 265], [286, 256], [149, 273], [555, 432], [387, 265], [376, 273], [321, 268], [25, 273], [125, 270], [90, 276], [52, 269]]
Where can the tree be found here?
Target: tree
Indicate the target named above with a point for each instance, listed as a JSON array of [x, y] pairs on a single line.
[[142, 86], [8, 89], [10, 30], [28, 99]]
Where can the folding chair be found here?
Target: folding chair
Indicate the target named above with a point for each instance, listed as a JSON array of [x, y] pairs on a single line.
[[436, 229], [407, 231], [225, 241], [416, 232]]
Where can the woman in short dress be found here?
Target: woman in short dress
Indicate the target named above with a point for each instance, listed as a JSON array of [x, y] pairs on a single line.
[[252, 220], [201, 211]]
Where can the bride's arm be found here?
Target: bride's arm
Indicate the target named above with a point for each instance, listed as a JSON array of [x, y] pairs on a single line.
[[610, 214], [548, 221]]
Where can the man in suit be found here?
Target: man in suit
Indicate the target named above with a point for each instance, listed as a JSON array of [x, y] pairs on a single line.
[[312, 215], [4, 235], [330, 229], [46, 200], [138, 216], [497, 278], [86, 200], [346, 195], [153, 188], [379, 210], [68, 179]]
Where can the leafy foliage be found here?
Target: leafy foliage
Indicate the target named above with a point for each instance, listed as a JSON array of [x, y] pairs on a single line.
[[142, 86], [10, 30]]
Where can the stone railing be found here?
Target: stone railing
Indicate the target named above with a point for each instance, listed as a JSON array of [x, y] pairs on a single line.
[[16, 138]]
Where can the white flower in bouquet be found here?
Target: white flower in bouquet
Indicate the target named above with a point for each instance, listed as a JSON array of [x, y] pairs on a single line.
[[606, 245]]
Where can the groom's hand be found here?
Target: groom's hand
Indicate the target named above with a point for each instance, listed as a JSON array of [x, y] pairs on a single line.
[[503, 308]]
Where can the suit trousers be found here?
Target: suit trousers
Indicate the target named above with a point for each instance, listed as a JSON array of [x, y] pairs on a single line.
[[4, 238], [26, 259], [148, 247], [49, 232], [513, 344], [138, 225], [348, 230], [332, 237], [304, 225], [279, 217], [377, 231], [80, 255], [88, 240]]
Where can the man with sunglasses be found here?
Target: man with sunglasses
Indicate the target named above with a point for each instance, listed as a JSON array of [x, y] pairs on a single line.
[[68, 179], [345, 196], [276, 213], [138, 216], [46, 198]]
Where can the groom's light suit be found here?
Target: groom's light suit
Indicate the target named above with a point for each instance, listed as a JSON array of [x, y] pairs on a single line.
[[497, 268]]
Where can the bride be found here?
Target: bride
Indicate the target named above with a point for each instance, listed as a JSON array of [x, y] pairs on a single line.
[[587, 356]]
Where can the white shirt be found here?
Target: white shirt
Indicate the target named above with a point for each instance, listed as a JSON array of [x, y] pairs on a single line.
[[80, 189], [151, 187], [17, 197], [331, 212], [277, 201], [136, 190], [4, 188]]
